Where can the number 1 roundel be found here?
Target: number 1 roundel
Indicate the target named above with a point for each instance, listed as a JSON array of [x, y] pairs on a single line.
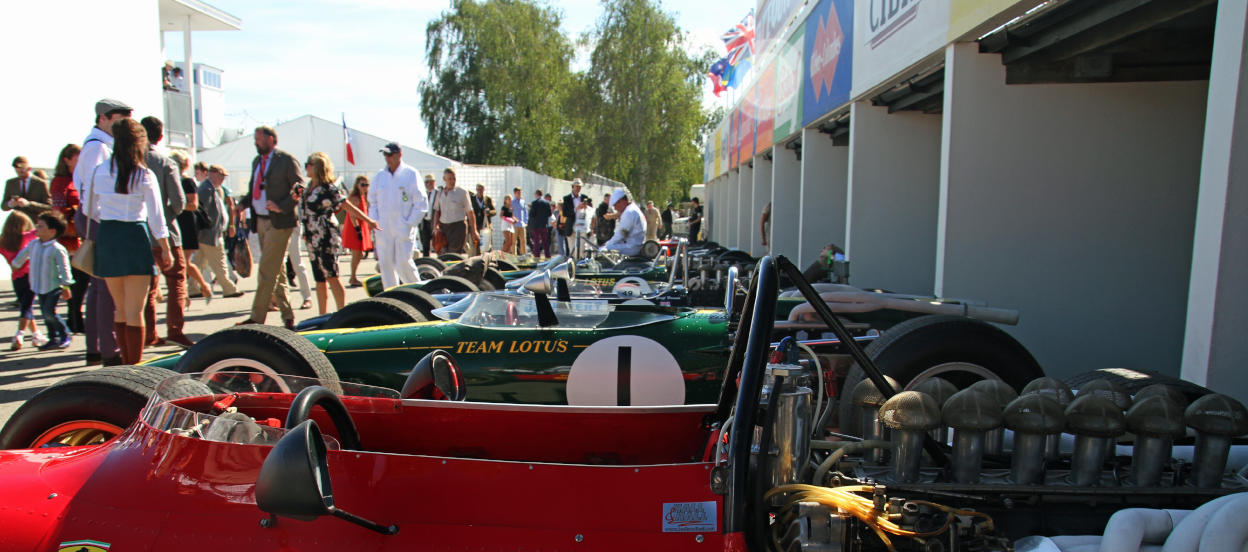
[[625, 370]]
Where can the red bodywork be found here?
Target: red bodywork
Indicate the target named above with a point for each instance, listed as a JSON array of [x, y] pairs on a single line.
[[452, 476]]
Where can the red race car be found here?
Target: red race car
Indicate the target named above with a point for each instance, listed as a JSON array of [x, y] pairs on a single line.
[[245, 461]]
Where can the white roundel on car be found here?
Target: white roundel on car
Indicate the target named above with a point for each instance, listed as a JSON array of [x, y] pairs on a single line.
[[625, 370]]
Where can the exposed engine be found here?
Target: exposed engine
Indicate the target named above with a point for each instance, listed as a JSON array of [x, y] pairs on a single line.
[[986, 468]]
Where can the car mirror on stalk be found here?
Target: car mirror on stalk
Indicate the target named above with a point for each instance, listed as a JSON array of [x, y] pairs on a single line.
[[730, 291], [540, 286], [562, 275], [294, 481]]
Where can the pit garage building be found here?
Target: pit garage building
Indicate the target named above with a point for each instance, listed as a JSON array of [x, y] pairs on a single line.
[[1079, 160]]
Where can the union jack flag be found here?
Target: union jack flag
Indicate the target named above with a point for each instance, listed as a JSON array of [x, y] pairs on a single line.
[[739, 40]]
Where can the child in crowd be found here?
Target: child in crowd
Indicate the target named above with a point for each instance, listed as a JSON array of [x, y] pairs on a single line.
[[49, 275], [19, 231]]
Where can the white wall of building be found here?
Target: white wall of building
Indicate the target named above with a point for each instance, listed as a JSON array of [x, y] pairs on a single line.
[[1215, 351], [58, 66], [825, 170], [1074, 204], [761, 197], [894, 180], [786, 203]]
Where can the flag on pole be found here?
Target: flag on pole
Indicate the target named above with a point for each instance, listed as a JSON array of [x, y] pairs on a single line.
[[717, 75], [346, 137], [739, 40]]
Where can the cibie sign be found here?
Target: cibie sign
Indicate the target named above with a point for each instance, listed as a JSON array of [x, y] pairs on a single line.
[[886, 17]]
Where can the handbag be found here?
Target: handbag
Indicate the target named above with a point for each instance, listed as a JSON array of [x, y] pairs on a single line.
[[242, 258], [84, 257]]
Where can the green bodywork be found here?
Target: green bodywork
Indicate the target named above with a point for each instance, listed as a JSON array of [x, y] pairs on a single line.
[[526, 364]]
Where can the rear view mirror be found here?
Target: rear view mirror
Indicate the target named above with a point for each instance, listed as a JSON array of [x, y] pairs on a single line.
[[294, 481], [435, 377], [540, 283], [563, 271]]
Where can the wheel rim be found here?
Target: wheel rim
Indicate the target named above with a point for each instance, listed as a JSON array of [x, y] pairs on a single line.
[[950, 367], [77, 433], [427, 272], [243, 364]]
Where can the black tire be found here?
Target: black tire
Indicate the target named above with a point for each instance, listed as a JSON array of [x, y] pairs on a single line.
[[910, 348], [495, 278], [734, 257], [418, 299], [114, 395], [1132, 381], [430, 262], [448, 257], [281, 350], [503, 266], [374, 311], [449, 284]]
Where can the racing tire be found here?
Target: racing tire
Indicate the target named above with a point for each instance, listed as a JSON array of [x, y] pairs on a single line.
[[448, 257], [420, 300], [1132, 381], [430, 262], [449, 284], [735, 256], [374, 311], [83, 406], [959, 349], [269, 350], [502, 265], [495, 278]]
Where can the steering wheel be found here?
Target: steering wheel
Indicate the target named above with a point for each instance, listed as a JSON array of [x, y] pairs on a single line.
[[631, 286], [512, 317], [436, 377], [301, 408]]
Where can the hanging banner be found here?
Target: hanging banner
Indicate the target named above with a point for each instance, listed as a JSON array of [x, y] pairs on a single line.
[[765, 108], [789, 86], [746, 126], [891, 35], [829, 58], [770, 20]]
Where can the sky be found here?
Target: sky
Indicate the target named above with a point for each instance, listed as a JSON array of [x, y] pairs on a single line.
[[365, 58]]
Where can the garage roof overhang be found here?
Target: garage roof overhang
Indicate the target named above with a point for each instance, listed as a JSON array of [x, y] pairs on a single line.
[[203, 17]]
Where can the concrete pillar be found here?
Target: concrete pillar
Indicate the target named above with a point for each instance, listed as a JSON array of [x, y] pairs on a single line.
[[786, 202], [745, 201], [825, 173], [714, 204], [731, 202], [1214, 351], [894, 181], [762, 196], [1074, 203]]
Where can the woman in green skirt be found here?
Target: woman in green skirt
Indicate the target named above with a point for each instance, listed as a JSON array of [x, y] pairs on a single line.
[[122, 196]]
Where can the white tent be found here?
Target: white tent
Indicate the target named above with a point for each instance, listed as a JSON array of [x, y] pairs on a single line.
[[308, 134]]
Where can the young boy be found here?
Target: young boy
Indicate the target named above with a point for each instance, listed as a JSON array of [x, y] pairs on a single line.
[[49, 275]]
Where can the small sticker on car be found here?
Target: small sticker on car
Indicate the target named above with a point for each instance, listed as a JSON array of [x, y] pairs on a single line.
[[83, 546], [690, 517]]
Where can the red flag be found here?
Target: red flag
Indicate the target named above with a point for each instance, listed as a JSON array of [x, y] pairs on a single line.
[[346, 137]]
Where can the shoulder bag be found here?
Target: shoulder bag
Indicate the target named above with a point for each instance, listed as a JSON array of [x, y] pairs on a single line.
[[84, 257]]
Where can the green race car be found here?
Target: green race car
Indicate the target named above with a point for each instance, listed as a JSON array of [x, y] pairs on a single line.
[[509, 347]]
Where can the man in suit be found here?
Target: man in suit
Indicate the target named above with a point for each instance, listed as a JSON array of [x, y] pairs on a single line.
[[567, 214], [666, 217], [272, 194], [169, 185], [211, 254], [26, 193]]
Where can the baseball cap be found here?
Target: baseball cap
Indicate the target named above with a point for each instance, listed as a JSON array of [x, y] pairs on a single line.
[[109, 105], [391, 148], [617, 195]]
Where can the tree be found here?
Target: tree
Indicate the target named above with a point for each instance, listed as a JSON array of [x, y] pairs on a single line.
[[498, 79], [645, 118]]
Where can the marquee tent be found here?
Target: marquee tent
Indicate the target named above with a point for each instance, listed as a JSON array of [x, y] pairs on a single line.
[[309, 133]]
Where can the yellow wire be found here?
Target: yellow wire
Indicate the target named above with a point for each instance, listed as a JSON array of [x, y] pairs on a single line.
[[863, 508]]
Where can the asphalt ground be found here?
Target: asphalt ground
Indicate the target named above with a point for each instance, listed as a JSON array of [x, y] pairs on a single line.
[[25, 372]]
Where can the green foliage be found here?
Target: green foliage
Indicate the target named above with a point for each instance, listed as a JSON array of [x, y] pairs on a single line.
[[501, 91], [498, 76]]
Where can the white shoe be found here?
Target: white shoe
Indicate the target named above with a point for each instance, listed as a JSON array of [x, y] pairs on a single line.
[[38, 340]]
